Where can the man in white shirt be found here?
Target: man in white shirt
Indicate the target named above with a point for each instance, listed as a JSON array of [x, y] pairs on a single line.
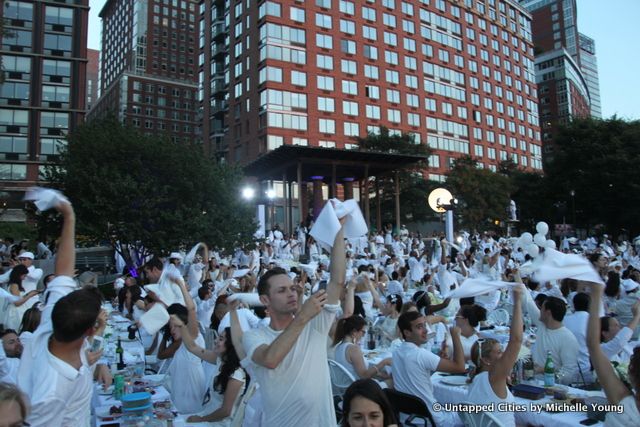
[[553, 336], [288, 358], [10, 352], [30, 283], [205, 303], [577, 324], [615, 338], [412, 365], [416, 269], [56, 370]]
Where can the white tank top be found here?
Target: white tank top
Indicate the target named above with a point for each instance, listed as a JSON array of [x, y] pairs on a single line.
[[341, 358], [481, 392]]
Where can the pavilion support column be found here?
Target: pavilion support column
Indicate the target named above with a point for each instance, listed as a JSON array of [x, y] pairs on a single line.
[[347, 184], [318, 201], [333, 193], [378, 206], [286, 203], [290, 208], [367, 213], [396, 179], [302, 214]]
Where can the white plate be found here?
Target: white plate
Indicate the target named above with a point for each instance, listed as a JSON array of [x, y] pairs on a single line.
[[455, 381]]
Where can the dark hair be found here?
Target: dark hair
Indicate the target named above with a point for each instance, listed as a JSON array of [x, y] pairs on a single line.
[[395, 299], [594, 257], [370, 390], [31, 319], [556, 306], [612, 288], [347, 325], [423, 302], [15, 276], [48, 278], [405, 319], [74, 314], [604, 326], [532, 284], [180, 311], [467, 301], [540, 299], [229, 363], [406, 306], [394, 275], [358, 307], [4, 332], [203, 291], [263, 283], [154, 262], [581, 302], [136, 294], [473, 313], [634, 369], [215, 322], [567, 286]]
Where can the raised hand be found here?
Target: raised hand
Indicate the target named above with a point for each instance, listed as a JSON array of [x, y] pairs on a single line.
[[313, 306]]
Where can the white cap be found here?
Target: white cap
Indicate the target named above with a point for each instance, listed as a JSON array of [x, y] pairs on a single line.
[[629, 285], [175, 255], [26, 254]]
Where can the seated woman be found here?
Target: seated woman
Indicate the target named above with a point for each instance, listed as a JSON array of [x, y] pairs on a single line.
[[468, 319], [616, 391], [388, 326], [230, 382], [130, 302], [30, 322], [365, 405], [349, 332], [493, 366], [16, 309]]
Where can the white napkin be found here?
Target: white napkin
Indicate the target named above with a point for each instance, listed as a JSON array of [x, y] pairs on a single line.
[[556, 266], [327, 224], [251, 299], [479, 286], [188, 259], [45, 198], [241, 273], [154, 319], [310, 268]]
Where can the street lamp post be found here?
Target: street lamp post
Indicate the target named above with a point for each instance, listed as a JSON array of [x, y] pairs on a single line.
[[573, 207], [441, 201]]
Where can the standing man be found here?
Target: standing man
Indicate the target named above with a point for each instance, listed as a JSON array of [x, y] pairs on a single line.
[[289, 356]]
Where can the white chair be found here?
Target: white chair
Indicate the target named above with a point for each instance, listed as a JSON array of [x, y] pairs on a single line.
[[341, 379], [499, 317], [238, 417], [479, 419]]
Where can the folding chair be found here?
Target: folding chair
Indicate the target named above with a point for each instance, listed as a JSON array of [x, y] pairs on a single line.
[[341, 379], [238, 417], [413, 406], [479, 419], [499, 317]]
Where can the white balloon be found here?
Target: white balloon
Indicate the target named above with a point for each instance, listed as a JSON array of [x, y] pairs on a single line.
[[532, 250], [542, 228], [540, 240], [551, 244], [526, 238]]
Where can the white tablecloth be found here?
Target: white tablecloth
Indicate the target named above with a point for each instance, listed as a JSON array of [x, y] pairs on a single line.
[[456, 394]]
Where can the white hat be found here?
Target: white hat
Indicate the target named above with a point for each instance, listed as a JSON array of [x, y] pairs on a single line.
[[175, 255], [629, 285], [26, 254]]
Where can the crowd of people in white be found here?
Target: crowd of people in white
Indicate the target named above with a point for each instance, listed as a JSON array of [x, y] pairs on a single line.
[[281, 309]]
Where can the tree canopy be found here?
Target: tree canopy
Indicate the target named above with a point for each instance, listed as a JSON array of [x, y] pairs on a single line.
[[148, 191]]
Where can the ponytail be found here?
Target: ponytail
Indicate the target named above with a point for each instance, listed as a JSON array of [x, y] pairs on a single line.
[[346, 326]]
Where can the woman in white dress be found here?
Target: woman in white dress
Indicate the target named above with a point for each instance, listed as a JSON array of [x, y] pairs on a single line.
[[493, 366], [467, 319], [616, 391], [130, 302], [388, 326], [186, 372], [15, 310]]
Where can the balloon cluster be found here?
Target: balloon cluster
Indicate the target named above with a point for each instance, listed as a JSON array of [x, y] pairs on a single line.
[[533, 244]]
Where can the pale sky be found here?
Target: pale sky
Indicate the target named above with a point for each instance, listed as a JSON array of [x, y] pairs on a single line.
[[612, 24]]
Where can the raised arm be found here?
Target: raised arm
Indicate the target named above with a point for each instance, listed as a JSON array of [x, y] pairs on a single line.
[[190, 343], [66, 255], [501, 370], [614, 388], [236, 329], [270, 355], [457, 364], [337, 269], [191, 307]]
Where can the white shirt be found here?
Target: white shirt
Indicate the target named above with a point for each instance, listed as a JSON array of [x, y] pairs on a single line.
[[481, 392], [248, 320], [618, 349], [416, 269], [298, 391], [205, 310], [577, 324], [8, 367], [187, 379]]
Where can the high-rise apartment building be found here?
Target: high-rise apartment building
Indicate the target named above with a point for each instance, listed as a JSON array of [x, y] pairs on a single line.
[[148, 67], [457, 75], [44, 53], [589, 67], [563, 89], [93, 72]]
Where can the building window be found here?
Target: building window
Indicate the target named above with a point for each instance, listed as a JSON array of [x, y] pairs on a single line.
[[12, 172], [327, 126]]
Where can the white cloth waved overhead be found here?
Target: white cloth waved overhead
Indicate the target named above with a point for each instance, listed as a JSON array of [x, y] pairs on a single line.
[[154, 319], [327, 224], [557, 266], [478, 286], [45, 198]]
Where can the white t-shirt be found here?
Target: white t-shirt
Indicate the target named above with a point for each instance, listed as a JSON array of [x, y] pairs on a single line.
[[577, 324], [205, 310], [8, 367], [298, 391], [216, 399], [481, 392], [187, 379], [248, 320]]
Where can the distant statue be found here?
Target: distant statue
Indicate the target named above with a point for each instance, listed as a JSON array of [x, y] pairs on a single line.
[[512, 211]]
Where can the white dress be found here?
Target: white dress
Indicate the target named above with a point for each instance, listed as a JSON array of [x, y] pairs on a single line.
[[481, 392], [341, 358], [216, 399], [187, 379], [13, 315]]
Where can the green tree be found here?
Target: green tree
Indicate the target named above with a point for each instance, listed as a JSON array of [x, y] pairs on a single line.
[[149, 192], [483, 195], [598, 160], [414, 189]]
